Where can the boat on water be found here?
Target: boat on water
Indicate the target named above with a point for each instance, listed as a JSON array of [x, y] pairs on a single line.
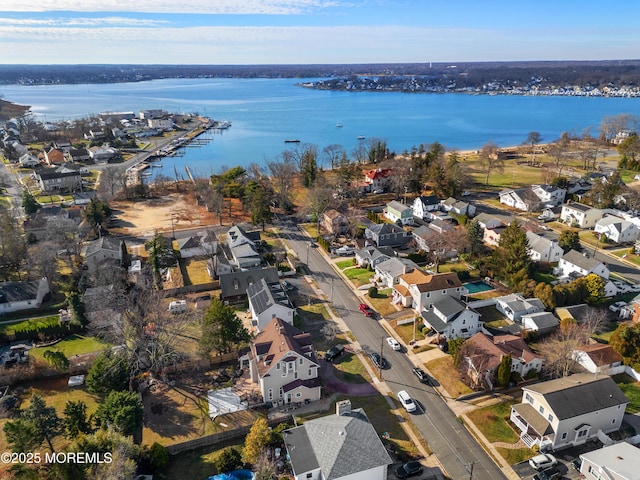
[[292, 141], [361, 137], [338, 125], [157, 165]]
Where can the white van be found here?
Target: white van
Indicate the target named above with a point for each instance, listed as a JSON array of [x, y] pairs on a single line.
[[178, 306]]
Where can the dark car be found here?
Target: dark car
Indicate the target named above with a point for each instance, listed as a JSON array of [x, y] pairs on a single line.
[[409, 469], [333, 353], [421, 374], [378, 361], [548, 474], [576, 464]]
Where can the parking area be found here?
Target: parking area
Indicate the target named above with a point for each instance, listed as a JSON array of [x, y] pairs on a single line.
[[564, 457]]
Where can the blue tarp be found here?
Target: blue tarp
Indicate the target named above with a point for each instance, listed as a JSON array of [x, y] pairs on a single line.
[[235, 475]]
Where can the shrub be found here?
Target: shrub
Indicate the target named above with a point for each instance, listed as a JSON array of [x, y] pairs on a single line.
[[373, 292]]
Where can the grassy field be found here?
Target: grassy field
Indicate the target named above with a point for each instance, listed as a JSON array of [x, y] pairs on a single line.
[[446, 374], [314, 312], [342, 264], [73, 345], [350, 369], [492, 422], [382, 303], [359, 276], [405, 332], [624, 253], [32, 323], [196, 271], [632, 391]]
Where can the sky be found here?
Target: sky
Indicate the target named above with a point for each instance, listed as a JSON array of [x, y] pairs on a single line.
[[242, 32]]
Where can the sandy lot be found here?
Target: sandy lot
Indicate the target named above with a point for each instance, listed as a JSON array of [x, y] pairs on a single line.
[[177, 211]]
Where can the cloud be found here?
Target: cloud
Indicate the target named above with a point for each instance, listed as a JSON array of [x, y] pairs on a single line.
[[81, 22], [262, 7]]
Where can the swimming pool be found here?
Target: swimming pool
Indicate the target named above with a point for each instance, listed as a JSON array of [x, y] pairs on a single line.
[[477, 286]]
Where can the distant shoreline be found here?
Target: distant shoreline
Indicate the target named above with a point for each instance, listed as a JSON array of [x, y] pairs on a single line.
[[12, 110]]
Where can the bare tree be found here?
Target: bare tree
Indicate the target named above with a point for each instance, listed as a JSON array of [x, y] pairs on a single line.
[[109, 182], [282, 174], [333, 154], [490, 159], [558, 150], [558, 349], [42, 261]]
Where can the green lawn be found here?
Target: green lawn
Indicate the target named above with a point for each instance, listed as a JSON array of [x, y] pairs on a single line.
[[632, 391], [405, 332], [350, 369], [342, 264], [314, 312], [492, 421], [359, 276], [32, 323], [624, 252], [73, 345], [544, 277], [382, 303]]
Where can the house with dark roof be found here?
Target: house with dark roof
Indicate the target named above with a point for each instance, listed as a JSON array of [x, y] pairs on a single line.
[[423, 204], [344, 446], [396, 211], [514, 306], [283, 363], [51, 181], [451, 318], [598, 358], [418, 289], [389, 271], [387, 235], [200, 245], [234, 284], [483, 355], [17, 296], [539, 322], [268, 301], [574, 264], [459, 207], [569, 411], [580, 215]]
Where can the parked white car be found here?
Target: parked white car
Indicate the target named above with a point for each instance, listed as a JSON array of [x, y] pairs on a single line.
[[615, 307], [406, 401], [394, 344], [542, 461]]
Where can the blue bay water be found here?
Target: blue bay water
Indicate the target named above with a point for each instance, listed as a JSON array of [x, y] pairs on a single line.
[[266, 112]]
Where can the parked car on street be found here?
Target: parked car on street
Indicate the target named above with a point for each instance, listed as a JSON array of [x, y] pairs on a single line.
[[409, 469], [406, 401], [366, 309], [394, 344], [378, 361], [421, 374], [548, 474]]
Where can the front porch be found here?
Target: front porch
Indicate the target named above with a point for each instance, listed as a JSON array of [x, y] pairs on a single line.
[[534, 430]]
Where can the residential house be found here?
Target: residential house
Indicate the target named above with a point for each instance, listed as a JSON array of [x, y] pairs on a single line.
[[598, 358], [620, 461], [433, 238], [458, 207], [539, 322], [387, 235], [396, 211], [372, 256], [514, 306], [29, 161], [543, 249], [234, 284], [549, 195], [378, 179], [579, 313], [423, 204], [83, 198], [17, 296], [238, 236], [616, 229], [102, 155], [242, 245], [389, 271], [580, 215], [334, 222], [51, 181], [550, 213], [574, 264], [160, 123], [490, 221], [521, 199], [78, 155], [418, 289], [283, 363], [485, 353], [105, 249], [53, 156], [569, 411], [48, 219], [344, 446], [200, 245], [268, 301], [450, 317]]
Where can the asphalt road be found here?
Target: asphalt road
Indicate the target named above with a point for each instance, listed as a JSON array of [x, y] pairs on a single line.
[[454, 446]]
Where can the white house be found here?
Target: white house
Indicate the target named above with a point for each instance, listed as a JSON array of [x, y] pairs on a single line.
[[569, 411], [344, 446], [616, 229], [202, 244], [268, 301], [620, 461], [521, 199], [451, 205], [16, 296], [418, 289], [574, 264], [543, 249], [283, 363], [539, 322], [598, 358], [514, 306], [28, 161], [451, 317], [372, 256], [580, 215], [389, 271], [424, 204], [105, 249], [549, 194]]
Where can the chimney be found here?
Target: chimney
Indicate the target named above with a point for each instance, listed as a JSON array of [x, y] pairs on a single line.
[[343, 407]]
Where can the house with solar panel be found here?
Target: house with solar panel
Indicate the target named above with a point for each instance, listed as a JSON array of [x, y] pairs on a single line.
[[268, 301]]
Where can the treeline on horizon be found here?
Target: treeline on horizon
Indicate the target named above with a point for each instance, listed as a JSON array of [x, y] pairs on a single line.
[[579, 73]]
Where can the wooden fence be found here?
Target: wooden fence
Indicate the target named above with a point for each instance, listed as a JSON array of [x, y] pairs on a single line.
[[219, 437]]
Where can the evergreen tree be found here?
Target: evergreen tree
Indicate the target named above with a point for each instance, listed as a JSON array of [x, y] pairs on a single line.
[[29, 203], [97, 213], [475, 235], [109, 372], [221, 329], [504, 371], [75, 419], [121, 410], [511, 259], [45, 420], [569, 240]]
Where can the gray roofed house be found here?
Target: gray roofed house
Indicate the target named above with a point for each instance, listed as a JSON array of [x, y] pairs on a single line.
[[16, 296], [389, 271], [620, 461], [337, 446], [540, 322], [234, 285], [104, 249], [373, 255], [269, 300], [569, 411], [451, 317], [387, 235], [238, 236], [514, 306], [52, 181], [574, 264], [543, 249]]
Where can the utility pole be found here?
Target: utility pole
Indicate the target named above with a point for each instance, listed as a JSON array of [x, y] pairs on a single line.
[[471, 470], [380, 362]]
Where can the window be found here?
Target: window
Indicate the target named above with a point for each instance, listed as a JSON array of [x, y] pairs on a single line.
[[298, 395], [309, 475], [550, 417], [564, 435], [278, 366], [309, 374], [301, 360], [582, 433], [270, 394], [613, 421], [541, 409], [528, 398]]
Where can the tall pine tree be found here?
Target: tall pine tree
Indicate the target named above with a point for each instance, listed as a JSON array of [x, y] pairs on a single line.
[[511, 259]]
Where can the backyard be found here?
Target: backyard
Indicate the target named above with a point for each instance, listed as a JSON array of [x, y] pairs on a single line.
[[446, 374]]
